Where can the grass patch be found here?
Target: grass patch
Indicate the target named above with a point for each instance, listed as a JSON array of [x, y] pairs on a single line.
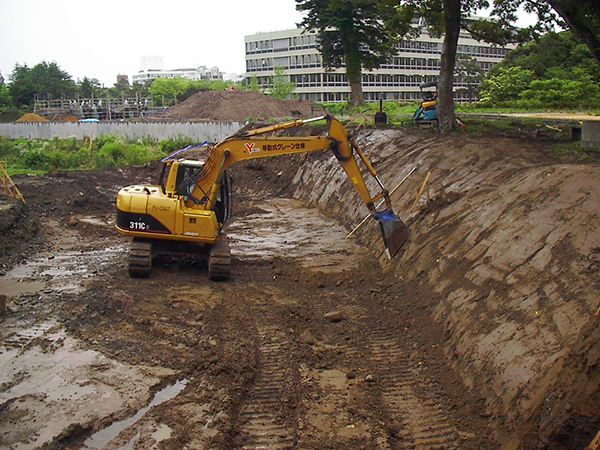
[[574, 152], [40, 156]]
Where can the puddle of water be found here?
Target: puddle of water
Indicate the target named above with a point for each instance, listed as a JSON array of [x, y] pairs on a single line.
[[288, 229], [103, 437], [50, 380], [96, 221], [60, 272], [162, 433], [12, 288]]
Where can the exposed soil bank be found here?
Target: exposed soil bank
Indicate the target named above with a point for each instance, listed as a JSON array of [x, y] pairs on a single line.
[[504, 253]]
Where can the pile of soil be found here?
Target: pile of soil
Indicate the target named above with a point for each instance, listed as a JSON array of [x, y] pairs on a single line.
[[64, 118], [237, 106], [31, 117]]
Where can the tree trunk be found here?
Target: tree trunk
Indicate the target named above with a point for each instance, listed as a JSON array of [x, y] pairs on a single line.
[[445, 105], [354, 74]]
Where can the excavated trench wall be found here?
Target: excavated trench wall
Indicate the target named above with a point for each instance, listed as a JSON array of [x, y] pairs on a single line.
[[505, 252]]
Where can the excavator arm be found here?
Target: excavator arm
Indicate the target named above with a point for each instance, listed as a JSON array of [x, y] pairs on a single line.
[[258, 144]]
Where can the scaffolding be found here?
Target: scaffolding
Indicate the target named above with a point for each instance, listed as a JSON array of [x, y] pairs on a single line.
[[106, 108]]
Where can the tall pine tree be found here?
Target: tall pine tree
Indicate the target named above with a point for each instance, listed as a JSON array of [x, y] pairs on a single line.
[[351, 34]]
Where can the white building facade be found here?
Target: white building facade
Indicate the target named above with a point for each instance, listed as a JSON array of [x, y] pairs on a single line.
[[417, 62], [193, 74]]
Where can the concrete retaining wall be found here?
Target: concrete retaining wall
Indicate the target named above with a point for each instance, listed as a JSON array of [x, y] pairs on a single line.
[[590, 136], [200, 132]]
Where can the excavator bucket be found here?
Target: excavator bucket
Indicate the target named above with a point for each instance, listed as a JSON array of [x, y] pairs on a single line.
[[394, 231]]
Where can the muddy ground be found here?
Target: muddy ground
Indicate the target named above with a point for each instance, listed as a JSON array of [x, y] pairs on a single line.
[[316, 342]]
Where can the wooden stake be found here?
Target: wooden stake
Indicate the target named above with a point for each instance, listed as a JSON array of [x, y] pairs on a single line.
[[595, 443], [10, 188], [421, 191]]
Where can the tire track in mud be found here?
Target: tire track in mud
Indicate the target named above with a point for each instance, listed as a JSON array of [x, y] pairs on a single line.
[[262, 421], [424, 424], [416, 419]]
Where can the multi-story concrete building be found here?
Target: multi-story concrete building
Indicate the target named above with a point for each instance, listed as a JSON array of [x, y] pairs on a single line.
[[152, 67], [417, 62], [193, 74]]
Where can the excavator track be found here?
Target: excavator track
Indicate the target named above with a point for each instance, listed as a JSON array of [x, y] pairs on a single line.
[[219, 261], [140, 258]]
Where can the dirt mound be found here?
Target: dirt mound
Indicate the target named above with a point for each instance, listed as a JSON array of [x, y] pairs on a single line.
[[237, 106], [31, 117], [65, 118]]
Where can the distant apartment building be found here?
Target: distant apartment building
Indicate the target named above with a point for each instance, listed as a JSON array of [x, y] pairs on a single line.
[[152, 67], [417, 62], [192, 74]]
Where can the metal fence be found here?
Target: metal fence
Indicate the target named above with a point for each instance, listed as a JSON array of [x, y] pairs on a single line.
[[197, 131]]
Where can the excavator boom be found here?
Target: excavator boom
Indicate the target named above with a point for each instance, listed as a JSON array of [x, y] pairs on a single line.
[[254, 144]]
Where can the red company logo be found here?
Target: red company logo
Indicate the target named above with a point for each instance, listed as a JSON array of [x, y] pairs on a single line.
[[250, 148]]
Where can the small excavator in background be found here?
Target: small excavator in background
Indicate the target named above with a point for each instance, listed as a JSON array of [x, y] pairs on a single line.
[[189, 208], [427, 110]]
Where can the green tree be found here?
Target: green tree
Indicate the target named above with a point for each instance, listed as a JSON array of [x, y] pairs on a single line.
[[506, 85], [21, 88], [254, 85], [5, 100], [46, 80], [556, 70], [282, 88], [122, 89], [90, 87], [469, 72], [551, 54], [141, 89], [560, 93], [581, 17], [169, 90], [51, 80], [353, 34], [193, 87]]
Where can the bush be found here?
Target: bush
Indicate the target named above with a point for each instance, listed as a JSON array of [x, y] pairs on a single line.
[[171, 145], [42, 156]]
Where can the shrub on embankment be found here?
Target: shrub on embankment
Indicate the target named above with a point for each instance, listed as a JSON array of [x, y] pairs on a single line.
[[45, 155]]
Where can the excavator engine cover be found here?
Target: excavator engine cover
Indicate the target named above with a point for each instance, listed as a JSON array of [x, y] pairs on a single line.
[[394, 231]]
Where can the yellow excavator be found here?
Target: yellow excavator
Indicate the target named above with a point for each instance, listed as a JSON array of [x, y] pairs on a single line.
[[189, 208]]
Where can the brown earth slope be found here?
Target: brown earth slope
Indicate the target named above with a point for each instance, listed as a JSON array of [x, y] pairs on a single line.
[[480, 334], [237, 106]]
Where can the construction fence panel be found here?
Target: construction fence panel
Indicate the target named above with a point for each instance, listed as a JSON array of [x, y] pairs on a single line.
[[197, 131]]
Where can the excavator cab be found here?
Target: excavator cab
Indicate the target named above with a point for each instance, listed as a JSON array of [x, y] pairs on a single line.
[[187, 175]]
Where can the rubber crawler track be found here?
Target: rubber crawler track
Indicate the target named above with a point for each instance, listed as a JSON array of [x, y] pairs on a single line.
[[140, 258]]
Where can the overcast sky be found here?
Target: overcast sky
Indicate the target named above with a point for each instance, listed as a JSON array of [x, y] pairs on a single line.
[[104, 38], [101, 39]]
